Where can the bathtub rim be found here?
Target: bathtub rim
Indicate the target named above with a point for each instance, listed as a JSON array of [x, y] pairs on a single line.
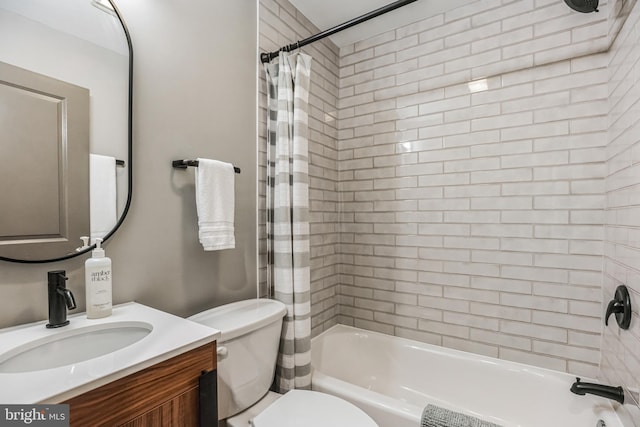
[[452, 351]]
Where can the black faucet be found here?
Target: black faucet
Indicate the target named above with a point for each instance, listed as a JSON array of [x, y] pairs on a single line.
[[60, 299], [610, 392]]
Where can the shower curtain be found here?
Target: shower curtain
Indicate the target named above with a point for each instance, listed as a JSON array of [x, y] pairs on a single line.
[[287, 221]]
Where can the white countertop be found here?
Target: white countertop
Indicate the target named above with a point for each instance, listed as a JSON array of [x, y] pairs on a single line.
[[171, 336]]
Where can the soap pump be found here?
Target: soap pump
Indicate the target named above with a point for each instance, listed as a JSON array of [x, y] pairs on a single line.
[[98, 283], [85, 244]]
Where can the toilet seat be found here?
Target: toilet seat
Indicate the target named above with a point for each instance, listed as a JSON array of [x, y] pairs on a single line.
[[312, 409]]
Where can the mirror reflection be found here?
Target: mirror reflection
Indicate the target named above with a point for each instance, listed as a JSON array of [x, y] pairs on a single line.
[[64, 108]]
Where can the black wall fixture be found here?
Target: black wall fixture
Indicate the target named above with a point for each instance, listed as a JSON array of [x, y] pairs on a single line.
[[584, 6], [620, 305]]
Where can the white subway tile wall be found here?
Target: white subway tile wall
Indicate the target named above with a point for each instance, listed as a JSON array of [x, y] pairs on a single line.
[[465, 167], [621, 349], [472, 185]]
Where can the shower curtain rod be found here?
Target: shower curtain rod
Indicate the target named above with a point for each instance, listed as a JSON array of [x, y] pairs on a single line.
[[267, 57]]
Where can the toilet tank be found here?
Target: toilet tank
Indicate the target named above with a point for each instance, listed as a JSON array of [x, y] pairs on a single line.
[[247, 350]]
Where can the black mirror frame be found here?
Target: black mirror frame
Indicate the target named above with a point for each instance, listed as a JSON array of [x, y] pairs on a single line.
[[129, 161]]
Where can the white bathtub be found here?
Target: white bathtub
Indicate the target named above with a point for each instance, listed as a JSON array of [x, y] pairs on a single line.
[[393, 379]]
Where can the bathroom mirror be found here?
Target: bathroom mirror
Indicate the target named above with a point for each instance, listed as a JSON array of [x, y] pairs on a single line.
[[65, 126]]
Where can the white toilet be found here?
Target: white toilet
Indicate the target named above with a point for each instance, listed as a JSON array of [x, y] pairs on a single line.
[[247, 352]]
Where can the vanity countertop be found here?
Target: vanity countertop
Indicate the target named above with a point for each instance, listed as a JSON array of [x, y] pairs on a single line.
[[171, 335]]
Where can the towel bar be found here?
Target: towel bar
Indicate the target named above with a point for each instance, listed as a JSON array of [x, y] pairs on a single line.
[[183, 164]]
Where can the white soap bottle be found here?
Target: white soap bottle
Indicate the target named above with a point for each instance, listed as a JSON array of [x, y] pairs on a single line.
[[97, 270]]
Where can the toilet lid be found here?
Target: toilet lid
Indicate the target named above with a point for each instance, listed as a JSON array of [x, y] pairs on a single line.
[[312, 409]]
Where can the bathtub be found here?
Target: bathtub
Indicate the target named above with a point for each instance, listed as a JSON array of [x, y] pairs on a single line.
[[393, 379]]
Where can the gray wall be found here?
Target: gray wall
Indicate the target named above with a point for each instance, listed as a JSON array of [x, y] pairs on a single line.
[[194, 96]]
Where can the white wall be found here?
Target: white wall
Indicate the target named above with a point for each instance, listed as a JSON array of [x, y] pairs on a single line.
[[472, 182], [620, 355]]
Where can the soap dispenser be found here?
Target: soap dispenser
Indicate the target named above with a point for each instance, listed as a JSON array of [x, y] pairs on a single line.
[[97, 271]]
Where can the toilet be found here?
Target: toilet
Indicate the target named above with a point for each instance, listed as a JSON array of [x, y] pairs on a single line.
[[247, 352]]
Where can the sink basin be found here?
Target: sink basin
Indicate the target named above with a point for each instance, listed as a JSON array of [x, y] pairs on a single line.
[[40, 365], [73, 346]]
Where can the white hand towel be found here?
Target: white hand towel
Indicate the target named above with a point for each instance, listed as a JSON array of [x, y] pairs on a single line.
[[102, 195], [215, 203]]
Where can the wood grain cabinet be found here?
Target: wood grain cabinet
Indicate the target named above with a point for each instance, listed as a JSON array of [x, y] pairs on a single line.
[[166, 394]]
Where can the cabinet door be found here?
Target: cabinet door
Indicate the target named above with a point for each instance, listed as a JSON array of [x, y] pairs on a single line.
[[146, 391], [181, 411]]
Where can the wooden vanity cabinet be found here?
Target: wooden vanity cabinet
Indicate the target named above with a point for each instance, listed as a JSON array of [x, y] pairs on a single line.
[[165, 394]]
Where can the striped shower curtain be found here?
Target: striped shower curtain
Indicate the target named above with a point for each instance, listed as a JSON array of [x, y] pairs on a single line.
[[287, 222]]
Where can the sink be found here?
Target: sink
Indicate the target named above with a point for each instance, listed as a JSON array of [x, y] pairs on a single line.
[[72, 346], [38, 364]]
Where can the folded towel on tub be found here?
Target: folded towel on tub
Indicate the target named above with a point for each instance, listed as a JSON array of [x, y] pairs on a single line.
[[434, 416]]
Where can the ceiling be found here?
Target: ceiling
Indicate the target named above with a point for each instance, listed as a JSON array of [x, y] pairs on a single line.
[[326, 14]]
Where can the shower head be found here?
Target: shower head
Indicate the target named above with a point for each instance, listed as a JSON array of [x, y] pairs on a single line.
[[584, 6]]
